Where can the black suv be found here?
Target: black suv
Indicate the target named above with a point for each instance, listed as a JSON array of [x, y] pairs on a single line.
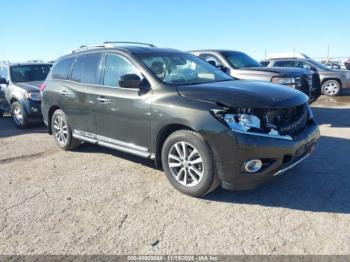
[[201, 125], [19, 90]]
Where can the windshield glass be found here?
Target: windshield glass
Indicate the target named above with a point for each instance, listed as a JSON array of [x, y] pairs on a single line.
[[318, 65], [29, 73], [240, 60], [182, 69]]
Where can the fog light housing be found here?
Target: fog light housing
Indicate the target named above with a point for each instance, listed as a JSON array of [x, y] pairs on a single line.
[[34, 109], [252, 166]]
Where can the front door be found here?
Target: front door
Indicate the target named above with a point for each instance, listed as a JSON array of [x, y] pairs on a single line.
[[123, 115]]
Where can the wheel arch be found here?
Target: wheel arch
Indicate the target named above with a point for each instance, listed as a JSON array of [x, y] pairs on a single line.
[[324, 80], [50, 114], [163, 134]]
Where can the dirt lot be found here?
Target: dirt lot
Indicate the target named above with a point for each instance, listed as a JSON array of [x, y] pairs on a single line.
[[96, 200]]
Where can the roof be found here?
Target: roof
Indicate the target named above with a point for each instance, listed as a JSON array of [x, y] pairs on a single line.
[[215, 50], [24, 63]]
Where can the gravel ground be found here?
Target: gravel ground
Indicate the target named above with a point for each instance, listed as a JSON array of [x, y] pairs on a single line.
[[99, 201]]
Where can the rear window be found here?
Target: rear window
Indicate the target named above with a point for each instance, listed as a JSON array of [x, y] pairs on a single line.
[[86, 68], [62, 68], [29, 73]]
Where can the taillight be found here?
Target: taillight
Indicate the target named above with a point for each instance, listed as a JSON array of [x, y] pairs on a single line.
[[42, 87]]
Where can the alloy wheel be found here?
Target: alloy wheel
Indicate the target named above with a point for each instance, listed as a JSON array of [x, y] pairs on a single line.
[[17, 115], [60, 130], [185, 164]]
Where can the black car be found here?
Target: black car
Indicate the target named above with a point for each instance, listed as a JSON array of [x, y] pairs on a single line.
[[202, 126], [20, 90], [242, 66]]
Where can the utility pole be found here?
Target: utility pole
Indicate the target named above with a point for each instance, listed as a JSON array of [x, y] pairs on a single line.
[[328, 54]]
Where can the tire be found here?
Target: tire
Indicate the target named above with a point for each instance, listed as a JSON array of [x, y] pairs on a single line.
[[62, 132], [331, 88], [19, 115], [194, 179]]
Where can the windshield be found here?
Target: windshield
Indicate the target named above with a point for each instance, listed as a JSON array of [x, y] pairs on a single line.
[[29, 73], [318, 65], [240, 60], [182, 69]]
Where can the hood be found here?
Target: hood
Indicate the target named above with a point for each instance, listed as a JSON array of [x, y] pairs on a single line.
[[242, 93], [283, 71], [30, 86]]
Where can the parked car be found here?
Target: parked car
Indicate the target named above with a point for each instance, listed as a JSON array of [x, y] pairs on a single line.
[[242, 66], [347, 64], [20, 93], [202, 126], [332, 80]]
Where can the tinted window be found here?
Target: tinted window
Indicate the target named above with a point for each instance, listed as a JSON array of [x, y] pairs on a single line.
[[182, 68], [62, 68], [240, 60], [86, 68], [29, 73], [115, 67], [3, 73], [285, 64], [210, 58]]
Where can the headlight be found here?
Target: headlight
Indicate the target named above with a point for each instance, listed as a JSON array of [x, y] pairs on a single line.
[[291, 81], [33, 96], [242, 122], [246, 121]]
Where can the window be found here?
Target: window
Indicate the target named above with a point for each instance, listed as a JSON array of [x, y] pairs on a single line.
[[86, 68], [240, 60], [62, 68], [210, 58], [29, 73], [115, 67], [285, 64], [182, 69], [4, 73], [304, 65]]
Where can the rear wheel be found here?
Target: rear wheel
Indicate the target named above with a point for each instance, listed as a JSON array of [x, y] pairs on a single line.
[[62, 132], [188, 163], [331, 88], [19, 115]]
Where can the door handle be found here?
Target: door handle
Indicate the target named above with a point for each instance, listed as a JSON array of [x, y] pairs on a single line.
[[102, 99], [63, 93]]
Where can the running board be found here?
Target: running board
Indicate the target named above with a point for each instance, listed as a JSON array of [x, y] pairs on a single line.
[[114, 146]]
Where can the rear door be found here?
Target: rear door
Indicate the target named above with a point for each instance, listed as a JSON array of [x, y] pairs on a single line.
[[123, 115], [79, 93]]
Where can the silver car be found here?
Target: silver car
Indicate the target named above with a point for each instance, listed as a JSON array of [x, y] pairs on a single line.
[[332, 80]]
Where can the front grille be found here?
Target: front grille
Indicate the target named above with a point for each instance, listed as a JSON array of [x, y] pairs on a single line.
[[305, 85], [288, 121]]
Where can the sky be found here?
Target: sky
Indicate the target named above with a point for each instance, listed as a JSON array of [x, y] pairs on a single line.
[[48, 29]]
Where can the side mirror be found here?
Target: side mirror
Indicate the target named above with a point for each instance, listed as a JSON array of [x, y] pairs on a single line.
[[225, 69], [312, 68], [3, 81], [130, 81], [212, 62]]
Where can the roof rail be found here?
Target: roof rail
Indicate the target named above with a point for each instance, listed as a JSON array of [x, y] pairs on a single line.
[[126, 42], [35, 61], [287, 55], [86, 47]]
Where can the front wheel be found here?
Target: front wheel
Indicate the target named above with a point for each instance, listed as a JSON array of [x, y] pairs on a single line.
[[188, 163], [331, 88], [19, 115], [62, 132]]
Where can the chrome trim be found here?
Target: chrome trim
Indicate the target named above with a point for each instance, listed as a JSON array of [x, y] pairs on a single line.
[[263, 135], [124, 149], [121, 143], [113, 143], [292, 165], [84, 138]]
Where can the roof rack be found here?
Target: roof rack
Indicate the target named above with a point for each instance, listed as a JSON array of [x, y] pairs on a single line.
[[108, 44], [35, 61], [126, 42], [287, 55]]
